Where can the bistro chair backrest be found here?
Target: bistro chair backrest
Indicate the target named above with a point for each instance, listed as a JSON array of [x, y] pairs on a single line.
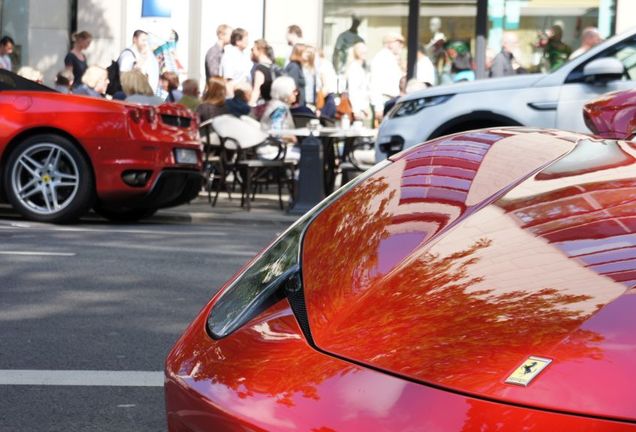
[[208, 135], [301, 120], [231, 128], [251, 121]]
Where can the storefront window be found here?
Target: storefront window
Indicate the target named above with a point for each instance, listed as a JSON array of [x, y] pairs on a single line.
[[532, 21], [455, 22], [454, 19]]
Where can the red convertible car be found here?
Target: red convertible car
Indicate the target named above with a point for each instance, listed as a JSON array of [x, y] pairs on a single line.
[[483, 281], [612, 115], [61, 154]]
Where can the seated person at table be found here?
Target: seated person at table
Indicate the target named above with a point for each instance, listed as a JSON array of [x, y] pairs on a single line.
[[213, 103], [135, 85], [190, 98], [239, 104], [277, 115]]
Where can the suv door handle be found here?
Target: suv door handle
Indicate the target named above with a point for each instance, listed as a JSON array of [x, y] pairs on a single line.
[[544, 105]]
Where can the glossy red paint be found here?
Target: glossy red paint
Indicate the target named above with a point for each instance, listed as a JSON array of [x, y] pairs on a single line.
[[428, 284], [612, 115], [114, 136], [266, 377]]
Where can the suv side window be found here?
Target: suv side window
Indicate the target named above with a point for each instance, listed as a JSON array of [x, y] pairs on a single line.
[[625, 51]]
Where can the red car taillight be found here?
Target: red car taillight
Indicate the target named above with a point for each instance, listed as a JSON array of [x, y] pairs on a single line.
[[151, 115], [135, 114]]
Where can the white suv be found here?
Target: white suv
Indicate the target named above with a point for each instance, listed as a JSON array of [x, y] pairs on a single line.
[[553, 100]]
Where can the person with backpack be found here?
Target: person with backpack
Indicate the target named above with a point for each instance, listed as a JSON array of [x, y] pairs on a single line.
[[264, 71], [140, 56]]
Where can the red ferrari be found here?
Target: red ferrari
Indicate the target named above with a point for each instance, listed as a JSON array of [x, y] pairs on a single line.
[[61, 154], [612, 115], [483, 281]]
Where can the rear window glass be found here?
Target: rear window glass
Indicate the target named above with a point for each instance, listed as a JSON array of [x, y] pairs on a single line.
[[11, 81]]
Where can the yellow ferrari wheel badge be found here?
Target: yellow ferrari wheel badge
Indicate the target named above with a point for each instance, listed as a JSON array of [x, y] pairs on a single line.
[[528, 370], [46, 178]]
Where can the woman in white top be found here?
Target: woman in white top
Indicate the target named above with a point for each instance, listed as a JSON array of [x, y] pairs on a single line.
[[358, 82]]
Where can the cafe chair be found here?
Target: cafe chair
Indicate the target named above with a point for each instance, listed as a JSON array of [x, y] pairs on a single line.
[[259, 159], [301, 120], [358, 156], [215, 172]]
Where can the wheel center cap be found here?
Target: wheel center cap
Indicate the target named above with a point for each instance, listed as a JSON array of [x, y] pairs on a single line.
[[46, 178]]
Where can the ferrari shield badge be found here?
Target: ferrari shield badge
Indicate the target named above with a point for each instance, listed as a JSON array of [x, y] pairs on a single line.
[[528, 370]]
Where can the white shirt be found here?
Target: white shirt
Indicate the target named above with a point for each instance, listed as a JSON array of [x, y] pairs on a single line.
[[5, 62], [425, 71], [358, 88], [235, 64], [385, 78]]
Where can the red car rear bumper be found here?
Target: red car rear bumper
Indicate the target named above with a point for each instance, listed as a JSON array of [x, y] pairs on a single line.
[[168, 182]]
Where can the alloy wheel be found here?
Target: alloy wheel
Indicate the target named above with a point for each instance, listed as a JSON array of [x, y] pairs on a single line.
[[45, 178]]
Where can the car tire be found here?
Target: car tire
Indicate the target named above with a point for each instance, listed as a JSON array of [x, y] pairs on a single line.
[[48, 179], [123, 215]]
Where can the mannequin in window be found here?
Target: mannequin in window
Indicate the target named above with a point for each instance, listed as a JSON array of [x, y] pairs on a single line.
[[345, 41], [435, 48]]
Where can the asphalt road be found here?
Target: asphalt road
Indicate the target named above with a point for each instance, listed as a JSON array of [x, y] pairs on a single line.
[[97, 297]]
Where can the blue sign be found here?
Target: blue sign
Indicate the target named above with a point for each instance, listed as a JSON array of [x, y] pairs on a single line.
[[156, 8]]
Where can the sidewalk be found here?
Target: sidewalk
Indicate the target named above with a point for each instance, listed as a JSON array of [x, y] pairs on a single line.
[[265, 209]]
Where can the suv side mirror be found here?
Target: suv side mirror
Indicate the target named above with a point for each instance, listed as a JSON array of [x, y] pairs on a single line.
[[603, 70]]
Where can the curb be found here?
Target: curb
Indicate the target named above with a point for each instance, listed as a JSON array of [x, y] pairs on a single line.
[[169, 215]]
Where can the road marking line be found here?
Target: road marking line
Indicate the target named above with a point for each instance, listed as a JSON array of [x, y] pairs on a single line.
[[44, 227], [26, 253], [81, 378]]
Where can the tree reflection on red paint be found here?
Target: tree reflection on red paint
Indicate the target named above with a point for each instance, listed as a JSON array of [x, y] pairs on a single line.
[[425, 321]]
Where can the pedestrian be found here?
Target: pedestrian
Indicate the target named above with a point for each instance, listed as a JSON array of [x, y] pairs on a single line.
[[344, 42], [461, 66], [389, 104], [235, 63], [140, 56], [64, 81], [215, 53], [590, 37], [190, 98], [327, 88], [94, 82], [556, 52], [6, 49], [424, 69], [358, 82], [169, 84], [293, 36], [75, 60], [137, 88], [502, 64], [263, 72], [166, 55], [213, 103], [310, 71], [386, 72], [294, 69]]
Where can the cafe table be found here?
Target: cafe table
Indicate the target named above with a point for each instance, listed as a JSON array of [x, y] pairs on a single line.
[[308, 196]]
